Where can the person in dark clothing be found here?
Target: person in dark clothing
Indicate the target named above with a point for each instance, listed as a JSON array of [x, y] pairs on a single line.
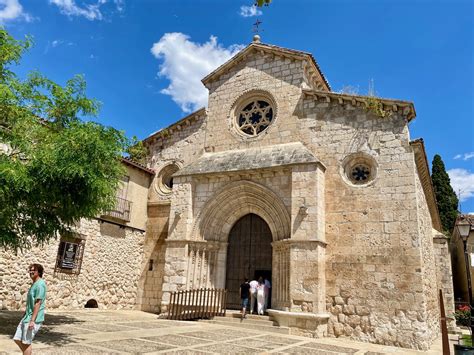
[[244, 296]]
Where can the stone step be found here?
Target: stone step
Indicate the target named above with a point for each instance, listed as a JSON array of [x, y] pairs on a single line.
[[248, 319], [246, 325], [237, 314]]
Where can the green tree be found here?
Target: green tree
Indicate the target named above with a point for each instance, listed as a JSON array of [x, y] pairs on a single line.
[[137, 151], [55, 168], [261, 3], [445, 195]]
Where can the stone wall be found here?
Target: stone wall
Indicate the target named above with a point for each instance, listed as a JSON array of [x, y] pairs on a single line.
[[430, 288], [151, 279], [444, 275], [374, 262], [111, 268], [280, 77]]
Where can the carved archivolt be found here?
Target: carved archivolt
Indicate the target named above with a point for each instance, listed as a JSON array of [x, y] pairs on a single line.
[[234, 201]]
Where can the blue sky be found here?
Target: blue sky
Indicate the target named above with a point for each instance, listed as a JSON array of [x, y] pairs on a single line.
[[143, 59]]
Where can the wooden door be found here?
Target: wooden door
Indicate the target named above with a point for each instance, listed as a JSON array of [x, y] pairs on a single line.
[[249, 250]]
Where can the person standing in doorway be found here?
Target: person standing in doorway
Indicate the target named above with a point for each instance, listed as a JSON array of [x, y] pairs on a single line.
[[253, 295], [34, 313], [267, 287], [260, 296], [244, 296]]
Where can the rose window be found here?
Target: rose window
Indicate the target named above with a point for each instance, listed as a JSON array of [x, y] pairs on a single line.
[[255, 117], [360, 173]]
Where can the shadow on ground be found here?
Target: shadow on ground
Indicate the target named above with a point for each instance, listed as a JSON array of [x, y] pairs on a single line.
[[56, 329]]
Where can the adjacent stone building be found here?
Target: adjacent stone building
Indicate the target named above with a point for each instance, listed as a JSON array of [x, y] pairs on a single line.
[[103, 261], [324, 193]]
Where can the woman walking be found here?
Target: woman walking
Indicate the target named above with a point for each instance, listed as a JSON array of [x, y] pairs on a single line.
[[260, 296]]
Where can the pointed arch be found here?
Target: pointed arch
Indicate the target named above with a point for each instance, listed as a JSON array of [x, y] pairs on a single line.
[[236, 200]]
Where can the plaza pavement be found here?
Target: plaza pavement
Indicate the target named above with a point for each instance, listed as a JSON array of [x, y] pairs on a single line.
[[92, 331]]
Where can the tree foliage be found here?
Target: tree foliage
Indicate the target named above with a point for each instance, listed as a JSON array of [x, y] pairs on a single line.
[[55, 168], [260, 3], [137, 151], [445, 195]]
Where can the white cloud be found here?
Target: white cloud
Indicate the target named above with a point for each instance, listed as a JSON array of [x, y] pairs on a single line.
[[462, 182], [249, 11], [12, 10], [120, 5], [465, 156], [185, 63], [89, 11], [69, 8], [56, 43]]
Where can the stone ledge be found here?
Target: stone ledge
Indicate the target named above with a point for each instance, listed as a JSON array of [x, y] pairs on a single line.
[[313, 325], [297, 315]]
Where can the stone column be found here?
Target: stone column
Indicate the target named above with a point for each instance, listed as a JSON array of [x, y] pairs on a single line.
[[221, 265]]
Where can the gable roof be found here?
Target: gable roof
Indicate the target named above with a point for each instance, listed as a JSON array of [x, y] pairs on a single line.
[[276, 50], [167, 131]]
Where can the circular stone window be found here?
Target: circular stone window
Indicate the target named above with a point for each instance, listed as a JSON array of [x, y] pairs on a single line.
[[359, 169], [254, 117], [252, 113], [165, 178]]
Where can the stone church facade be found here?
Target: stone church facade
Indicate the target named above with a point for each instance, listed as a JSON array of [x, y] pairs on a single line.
[[323, 193]]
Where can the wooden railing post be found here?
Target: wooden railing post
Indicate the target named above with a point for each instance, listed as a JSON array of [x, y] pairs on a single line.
[[444, 328], [199, 314]]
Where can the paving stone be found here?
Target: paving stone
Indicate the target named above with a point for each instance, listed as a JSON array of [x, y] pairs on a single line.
[[71, 350], [280, 340], [173, 323], [257, 344], [185, 352], [237, 333], [134, 345], [204, 335], [340, 349], [66, 329], [177, 339], [106, 327], [303, 350], [226, 348], [144, 325]]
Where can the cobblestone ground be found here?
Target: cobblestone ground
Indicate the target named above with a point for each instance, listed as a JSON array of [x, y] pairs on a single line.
[[134, 332]]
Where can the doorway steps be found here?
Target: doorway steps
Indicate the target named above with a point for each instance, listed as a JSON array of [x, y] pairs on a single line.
[[252, 321]]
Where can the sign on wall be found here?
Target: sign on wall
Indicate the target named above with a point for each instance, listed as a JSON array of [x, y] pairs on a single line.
[[69, 257]]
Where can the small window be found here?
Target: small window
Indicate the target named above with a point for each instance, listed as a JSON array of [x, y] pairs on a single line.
[[69, 257], [359, 169], [165, 178]]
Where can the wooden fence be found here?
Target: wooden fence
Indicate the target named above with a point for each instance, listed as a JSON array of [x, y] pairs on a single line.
[[197, 304]]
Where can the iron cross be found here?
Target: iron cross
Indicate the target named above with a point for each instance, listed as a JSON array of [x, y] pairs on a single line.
[[255, 26]]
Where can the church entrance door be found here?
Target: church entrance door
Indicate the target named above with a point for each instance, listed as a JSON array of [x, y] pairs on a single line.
[[249, 254]]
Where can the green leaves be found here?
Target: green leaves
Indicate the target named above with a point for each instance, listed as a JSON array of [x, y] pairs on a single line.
[[54, 168], [261, 3], [445, 196]]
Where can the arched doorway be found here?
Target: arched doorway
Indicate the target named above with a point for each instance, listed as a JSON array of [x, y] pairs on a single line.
[[249, 254]]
